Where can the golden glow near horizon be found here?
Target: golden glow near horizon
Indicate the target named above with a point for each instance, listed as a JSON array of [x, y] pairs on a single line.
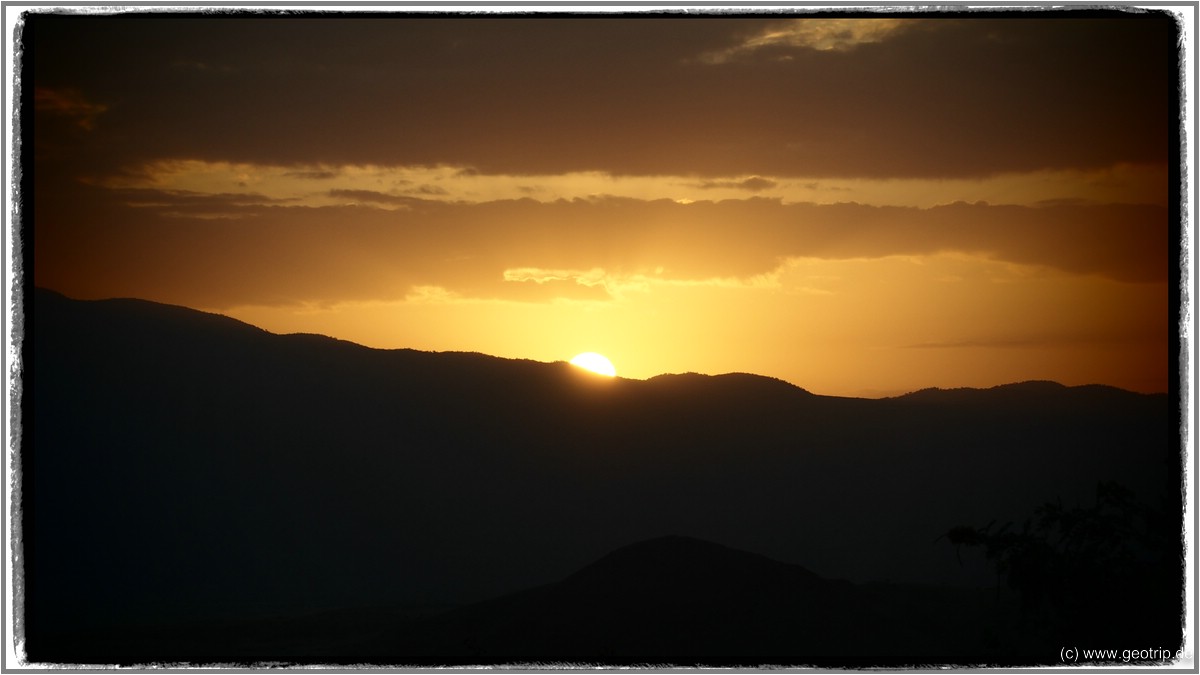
[[861, 207], [596, 363], [848, 327]]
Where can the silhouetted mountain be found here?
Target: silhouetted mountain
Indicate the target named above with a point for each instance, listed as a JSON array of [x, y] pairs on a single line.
[[686, 601], [186, 469]]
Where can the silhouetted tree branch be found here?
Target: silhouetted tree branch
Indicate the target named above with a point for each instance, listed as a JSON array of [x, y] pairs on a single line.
[[1109, 571]]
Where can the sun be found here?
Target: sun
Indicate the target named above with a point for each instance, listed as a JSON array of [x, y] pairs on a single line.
[[595, 363]]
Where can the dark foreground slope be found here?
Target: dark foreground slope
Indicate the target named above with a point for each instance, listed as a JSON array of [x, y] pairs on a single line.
[[185, 469], [683, 601]]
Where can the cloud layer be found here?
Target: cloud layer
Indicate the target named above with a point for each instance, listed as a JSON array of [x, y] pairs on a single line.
[[244, 249], [913, 97]]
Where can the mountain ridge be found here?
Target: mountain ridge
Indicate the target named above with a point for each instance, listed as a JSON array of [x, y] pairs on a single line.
[[126, 305], [282, 475]]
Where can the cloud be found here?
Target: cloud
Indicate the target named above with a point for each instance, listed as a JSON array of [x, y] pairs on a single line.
[[371, 197], [431, 295], [838, 35], [549, 289], [331, 185], [69, 103], [187, 203], [431, 190], [613, 285], [592, 277], [312, 174], [752, 184]]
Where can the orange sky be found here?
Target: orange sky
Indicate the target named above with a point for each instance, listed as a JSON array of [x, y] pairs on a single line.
[[861, 206]]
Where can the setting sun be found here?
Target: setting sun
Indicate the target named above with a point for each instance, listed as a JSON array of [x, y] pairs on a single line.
[[595, 363]]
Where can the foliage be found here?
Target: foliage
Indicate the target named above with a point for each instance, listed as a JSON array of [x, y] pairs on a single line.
[[1087, 571]]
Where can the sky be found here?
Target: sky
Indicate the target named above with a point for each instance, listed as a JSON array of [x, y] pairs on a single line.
[[859, 204]]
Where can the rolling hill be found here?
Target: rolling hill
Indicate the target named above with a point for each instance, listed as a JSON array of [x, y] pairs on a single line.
[[683, 601]]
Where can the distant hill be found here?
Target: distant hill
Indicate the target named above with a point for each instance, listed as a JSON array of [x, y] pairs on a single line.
[[683, 601], [183, 467]]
